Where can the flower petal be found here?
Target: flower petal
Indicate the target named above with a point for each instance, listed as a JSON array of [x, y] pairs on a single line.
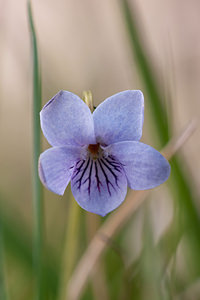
[[99, 186], [67, 120], [144, 166], [56, 167], [119, 118]]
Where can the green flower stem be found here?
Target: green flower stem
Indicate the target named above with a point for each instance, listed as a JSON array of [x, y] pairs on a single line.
[[70, 246], [37, 189]]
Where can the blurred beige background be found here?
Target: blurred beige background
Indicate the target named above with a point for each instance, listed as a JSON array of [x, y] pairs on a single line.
[[83, 44]]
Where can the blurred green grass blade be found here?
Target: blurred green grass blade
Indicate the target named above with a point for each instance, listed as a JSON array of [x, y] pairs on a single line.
[[71, 247], [180, 186], [150, 262], [163, 251], [147, 75], [18, 244], [168, 243], [167, 247], [37, 190], [3, 289]]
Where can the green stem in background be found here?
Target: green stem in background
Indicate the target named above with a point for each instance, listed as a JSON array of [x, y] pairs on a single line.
[[37, 189], [70, 246], [147, 75], [167, 247], [151, 281], [17, 242], [3, 291], [98, 279], [180, 184]]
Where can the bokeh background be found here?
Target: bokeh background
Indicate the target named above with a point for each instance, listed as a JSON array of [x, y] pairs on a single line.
[[85, 45]]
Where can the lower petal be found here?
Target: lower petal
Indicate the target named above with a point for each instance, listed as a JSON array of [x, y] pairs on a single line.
[[144, 166], [56, 167], [99, 186]]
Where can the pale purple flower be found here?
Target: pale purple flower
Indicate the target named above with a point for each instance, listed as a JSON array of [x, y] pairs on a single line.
[[98, 152]]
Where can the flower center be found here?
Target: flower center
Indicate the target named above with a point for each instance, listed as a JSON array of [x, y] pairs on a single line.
[[94, 150]]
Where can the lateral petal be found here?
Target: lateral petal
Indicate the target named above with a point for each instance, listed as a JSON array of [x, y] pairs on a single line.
[[56, 167], [144, 166]]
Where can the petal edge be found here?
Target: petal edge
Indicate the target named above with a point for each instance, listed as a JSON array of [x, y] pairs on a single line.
[[67, 120], [55, 167], [144, 166], [119, 118], [97, 187]]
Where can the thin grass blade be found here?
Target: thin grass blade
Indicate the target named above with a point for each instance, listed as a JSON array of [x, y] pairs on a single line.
[[3, 289], [37, 190], [180, 184]]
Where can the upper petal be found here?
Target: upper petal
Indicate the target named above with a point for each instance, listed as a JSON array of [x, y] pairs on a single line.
[[99, 186], [119, 118], [67, 120], [56, 167], [144, 166]]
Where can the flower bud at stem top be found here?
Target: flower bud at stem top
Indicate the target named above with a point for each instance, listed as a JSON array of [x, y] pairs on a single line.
[[87, 98]]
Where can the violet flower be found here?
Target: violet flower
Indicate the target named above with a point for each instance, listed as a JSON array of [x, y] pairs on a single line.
[[98, 152]]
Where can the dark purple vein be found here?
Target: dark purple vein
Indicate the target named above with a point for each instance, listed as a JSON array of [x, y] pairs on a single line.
[[80, 179], [89, 177], [106, 177], [111, 171], [97, 177]]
